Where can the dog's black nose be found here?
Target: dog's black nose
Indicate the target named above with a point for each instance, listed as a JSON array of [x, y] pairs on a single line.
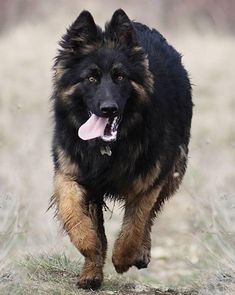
[[109, 109]]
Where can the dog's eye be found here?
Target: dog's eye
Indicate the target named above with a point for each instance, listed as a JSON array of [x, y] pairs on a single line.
[[120, 77], [92, 79]]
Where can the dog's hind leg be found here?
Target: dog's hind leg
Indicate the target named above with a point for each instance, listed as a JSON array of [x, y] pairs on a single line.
[[96, 214], [169, 187], [135, 229], [144, 255], [84, 225]]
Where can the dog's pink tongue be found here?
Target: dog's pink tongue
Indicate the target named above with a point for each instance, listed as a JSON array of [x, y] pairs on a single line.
[[93, 127]]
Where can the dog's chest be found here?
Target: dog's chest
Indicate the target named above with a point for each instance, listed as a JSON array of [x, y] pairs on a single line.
[[106, 171]]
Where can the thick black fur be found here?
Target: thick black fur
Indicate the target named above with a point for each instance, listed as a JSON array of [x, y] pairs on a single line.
[[154, 124]]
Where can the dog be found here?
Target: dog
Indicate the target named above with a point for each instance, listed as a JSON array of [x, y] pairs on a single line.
[[122, 110]]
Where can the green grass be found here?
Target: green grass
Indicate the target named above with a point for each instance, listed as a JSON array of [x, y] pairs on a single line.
[[57, 275], [41, 275], [48, 274]]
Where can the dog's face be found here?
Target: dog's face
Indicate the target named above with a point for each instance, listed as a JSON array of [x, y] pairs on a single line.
[[105, 82], [100, 72], [105, 86]]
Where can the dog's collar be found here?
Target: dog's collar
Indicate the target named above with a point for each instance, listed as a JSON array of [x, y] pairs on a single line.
[[106, 150]]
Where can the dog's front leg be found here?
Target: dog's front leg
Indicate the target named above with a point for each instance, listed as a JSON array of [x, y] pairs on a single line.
[[128, 245], [84, 225]]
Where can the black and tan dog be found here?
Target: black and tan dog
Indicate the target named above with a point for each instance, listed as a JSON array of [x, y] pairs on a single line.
[[122, 109]]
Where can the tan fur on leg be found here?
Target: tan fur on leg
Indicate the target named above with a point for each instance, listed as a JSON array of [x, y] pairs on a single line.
[[81, 223], [128, 245], [144, 255]]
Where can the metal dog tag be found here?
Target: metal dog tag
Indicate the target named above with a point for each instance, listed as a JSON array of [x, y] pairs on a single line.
[[105, 150]]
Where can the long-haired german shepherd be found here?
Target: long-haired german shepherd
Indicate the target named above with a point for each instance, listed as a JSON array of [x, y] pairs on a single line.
[[122, 109]]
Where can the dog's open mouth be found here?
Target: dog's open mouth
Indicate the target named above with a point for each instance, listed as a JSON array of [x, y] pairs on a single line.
[[95, 126]]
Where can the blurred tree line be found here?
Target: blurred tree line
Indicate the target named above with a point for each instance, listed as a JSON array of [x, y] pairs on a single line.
[[173, 14]]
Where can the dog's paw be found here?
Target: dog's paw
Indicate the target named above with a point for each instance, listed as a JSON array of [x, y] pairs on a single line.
[[120, 268], [90, 280], [124, 256], [143, 258], [89, 283]]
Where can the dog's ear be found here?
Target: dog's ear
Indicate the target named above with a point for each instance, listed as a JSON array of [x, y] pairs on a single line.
[[121, 28], [82, 32]]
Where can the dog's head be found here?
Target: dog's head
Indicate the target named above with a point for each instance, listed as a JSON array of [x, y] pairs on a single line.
[[101, 75]]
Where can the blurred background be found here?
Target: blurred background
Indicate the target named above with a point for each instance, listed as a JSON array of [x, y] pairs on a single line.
[[194, 238]]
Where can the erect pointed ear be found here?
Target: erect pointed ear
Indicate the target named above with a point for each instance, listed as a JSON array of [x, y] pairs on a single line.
[[121, 28], [82, 32]]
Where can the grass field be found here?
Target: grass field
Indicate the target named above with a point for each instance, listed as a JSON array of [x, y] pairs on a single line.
[[194, 238]]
